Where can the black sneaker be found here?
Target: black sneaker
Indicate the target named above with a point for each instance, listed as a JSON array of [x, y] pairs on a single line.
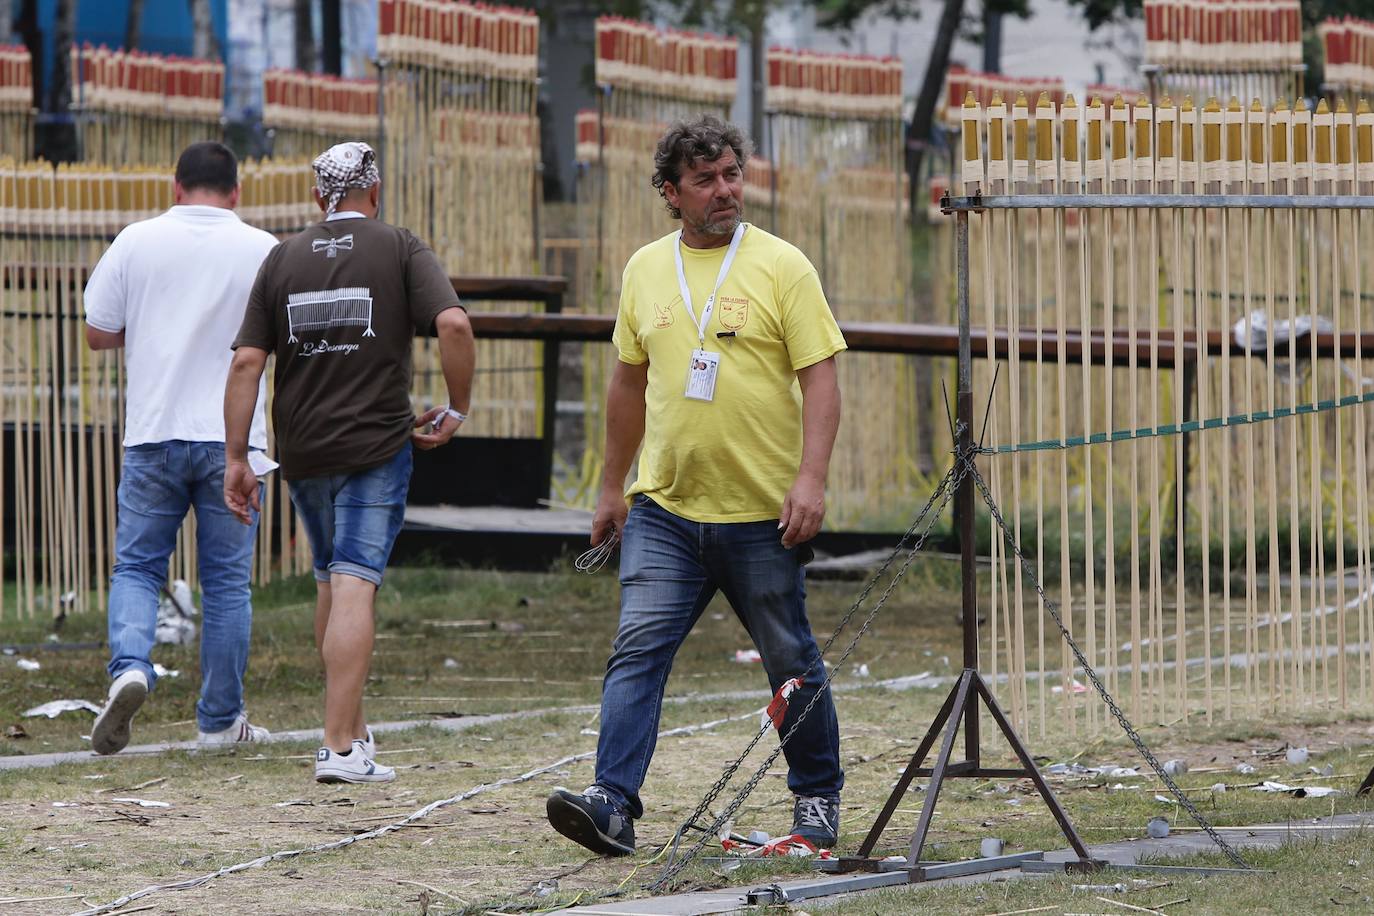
[[592, 820], [816, 818]]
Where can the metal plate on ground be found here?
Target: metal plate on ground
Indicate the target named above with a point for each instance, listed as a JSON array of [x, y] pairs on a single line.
[[935, 871]]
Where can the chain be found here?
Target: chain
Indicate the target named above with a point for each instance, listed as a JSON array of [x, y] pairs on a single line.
[[1112, 706], [924, 521]]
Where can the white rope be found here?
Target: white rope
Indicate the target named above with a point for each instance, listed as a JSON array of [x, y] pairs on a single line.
[[422, 813], [592, 560]]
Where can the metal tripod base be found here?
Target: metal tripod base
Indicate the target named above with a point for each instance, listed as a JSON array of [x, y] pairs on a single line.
[[962, 704]]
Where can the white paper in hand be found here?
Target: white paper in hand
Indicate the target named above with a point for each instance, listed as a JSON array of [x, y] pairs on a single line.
[[261, 464]]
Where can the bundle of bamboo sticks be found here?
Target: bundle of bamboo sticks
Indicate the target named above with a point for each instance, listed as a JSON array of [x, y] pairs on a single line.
[[460, 163], [1349, 47], [1220, 571], [307, 113], [16, 102], [1246, 47], [139, 108], [960, 81], [61, 404], [835, 134]]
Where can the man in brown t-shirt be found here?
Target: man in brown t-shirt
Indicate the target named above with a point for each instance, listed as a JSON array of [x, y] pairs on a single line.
[[340, 305]]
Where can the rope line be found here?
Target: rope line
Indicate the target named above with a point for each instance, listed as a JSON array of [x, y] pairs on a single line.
[[406, 821], [1174, 429]]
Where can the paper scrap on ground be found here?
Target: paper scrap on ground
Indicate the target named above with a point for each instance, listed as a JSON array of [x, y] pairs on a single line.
[[28, 664], [55, 708], [744, 656], [1296, 791], [143, 802]]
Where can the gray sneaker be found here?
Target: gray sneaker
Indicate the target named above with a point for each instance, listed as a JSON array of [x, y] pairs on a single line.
[[816, 818], [110, 734]]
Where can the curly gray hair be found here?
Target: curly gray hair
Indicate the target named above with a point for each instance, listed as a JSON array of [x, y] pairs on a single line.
[[686, 142]]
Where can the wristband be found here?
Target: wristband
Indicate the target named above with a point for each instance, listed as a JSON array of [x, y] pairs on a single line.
[[460, 417]]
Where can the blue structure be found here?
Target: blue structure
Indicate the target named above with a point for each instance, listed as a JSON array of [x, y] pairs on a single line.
[[166, 26]]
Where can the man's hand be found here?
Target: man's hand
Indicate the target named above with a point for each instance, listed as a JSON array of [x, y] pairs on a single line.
[[241, 490], [802, 511], [444, 428], [609, 519]]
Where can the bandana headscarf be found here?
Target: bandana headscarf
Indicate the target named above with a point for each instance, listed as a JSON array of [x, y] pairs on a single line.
[[342, 168]]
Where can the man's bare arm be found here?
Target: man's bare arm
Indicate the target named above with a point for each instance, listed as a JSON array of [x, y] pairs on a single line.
[[457, 358], [624, 432], [240, 399], [97, 339], [803, 510]]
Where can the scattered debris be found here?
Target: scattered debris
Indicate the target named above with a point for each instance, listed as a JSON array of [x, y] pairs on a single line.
[[745, 656], [15, 731], [1100, 888], [990, 847], [1296, 756], [1074, 687], [862, 671], [450, 663], [174, 612], [1219, 788], [1157, 827], [28, 664], [164, 672], [1296, 791], [55, 708], [66, 805], [142, 802], [1175, 767], [1244, 768], [789, 845]]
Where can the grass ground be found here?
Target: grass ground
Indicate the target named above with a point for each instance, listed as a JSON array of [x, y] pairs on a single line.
[[547, 650]]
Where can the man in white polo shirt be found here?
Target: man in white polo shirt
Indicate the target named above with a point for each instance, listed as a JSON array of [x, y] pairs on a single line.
[[171, 292]]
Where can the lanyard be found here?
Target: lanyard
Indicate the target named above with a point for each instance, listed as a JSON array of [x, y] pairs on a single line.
[[720, 280]]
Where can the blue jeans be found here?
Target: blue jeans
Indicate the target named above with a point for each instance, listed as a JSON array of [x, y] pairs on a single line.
[[670, 569], [352, 520], [158, 483]]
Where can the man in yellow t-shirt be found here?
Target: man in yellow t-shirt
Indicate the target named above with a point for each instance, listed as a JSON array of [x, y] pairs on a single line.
[[727, 377]]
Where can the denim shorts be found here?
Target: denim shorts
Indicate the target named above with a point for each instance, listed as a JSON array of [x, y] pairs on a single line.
[[352, 520]]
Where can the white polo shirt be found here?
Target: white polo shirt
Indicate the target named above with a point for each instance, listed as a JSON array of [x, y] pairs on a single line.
[[177, 286]]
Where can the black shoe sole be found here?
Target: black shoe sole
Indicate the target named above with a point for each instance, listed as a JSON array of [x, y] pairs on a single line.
[[578, 826]]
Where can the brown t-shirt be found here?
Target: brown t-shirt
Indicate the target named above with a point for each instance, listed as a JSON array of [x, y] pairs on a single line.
[[340, 305]]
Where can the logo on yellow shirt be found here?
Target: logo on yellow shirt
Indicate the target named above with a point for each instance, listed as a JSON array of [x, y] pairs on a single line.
[[663, 314], [733, 313]]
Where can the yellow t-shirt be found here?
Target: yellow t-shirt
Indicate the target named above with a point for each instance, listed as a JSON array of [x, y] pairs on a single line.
[[731, 459]]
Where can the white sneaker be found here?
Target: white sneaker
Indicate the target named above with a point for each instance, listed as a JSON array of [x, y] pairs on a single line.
[[368, 744], [241, 732], [110, 734], [331, 766]]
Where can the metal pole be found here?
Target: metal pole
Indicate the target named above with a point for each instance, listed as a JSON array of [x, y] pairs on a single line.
[[964, 497], [382, 64]]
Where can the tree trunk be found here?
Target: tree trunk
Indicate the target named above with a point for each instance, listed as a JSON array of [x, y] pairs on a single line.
[[133, 25], [305, 36], [918, 134], [992, 39], [758, 84], [6, 21], [203, 44], [331, 36], [64, 31]]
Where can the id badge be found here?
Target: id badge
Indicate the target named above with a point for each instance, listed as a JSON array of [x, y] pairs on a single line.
[[701, 375]]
